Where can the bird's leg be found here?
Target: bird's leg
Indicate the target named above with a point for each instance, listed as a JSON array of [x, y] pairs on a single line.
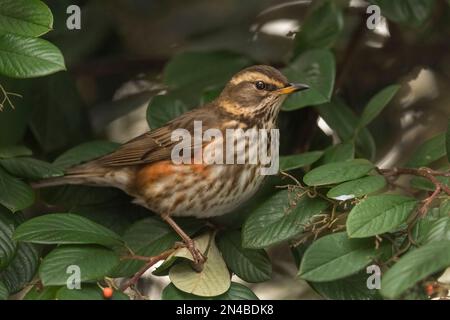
[[198, 256]]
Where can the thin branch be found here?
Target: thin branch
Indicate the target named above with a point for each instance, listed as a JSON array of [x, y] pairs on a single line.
[[151, 261], [426, 173], [6, 98]]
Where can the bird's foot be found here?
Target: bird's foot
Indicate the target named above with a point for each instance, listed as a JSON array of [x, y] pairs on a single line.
[[197, 255]]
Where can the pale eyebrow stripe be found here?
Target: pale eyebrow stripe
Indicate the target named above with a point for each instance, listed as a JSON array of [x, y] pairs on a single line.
[[255, 76]]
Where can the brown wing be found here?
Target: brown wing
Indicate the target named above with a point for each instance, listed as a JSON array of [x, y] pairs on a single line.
[[157, 145]]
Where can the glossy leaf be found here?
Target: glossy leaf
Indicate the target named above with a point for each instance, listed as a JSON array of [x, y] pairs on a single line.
[[321, 28], [296, 161], [379, 214], [278, 219], [337, 153], [149, 237], [248, 264], [22, 268], [14, 151], [30, 18], [30, 168], [357, 188], [65, 228], [162, 109], [439, 230], [212, 281], [315, 68], [189, 74], [335, 257], [337, 172], [344, 122], [377, 104], [7, 244], [14, 194], [46, 293], [353, 287], [84, 152], [3, 291], [415, 266], [22, 57], [94, 262], [430, 151]]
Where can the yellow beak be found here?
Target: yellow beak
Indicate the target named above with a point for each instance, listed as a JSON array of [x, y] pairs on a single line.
[[292, 87]]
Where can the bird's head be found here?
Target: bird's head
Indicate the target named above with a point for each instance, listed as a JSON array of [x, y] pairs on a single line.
[[256, 90]]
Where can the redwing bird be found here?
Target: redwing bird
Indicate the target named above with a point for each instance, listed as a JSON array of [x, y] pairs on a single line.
[[143, 167]]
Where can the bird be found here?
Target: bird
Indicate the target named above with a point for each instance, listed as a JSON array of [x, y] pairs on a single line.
[[144, 168]]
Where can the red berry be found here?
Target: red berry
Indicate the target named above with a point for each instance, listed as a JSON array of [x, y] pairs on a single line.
[[107, 292], [429, 289]]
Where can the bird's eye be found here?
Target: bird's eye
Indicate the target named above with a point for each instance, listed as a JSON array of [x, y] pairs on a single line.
[[260, 85]]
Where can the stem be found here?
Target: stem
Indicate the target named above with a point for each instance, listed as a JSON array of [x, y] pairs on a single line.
[[151, 261], [426, 173], [6, 98]]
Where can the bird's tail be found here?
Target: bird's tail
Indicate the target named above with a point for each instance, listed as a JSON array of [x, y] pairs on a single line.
[[87, 174]]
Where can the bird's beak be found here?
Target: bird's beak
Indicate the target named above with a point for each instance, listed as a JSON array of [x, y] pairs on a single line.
[[293, 87]]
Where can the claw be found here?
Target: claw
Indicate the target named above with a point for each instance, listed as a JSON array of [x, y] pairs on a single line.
[[199, 258]]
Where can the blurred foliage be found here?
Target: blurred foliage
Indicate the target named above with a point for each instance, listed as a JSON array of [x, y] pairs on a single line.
[[340, 210]]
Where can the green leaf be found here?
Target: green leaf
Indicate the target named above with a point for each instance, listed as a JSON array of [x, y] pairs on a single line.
[[202, 243], [379, 214], [439, 230], [14, 151], [22, 57], [377, 104], [315, 68], [46, 293], [338, 172], [22, 268], [65, 228], [278, 219], [75, 196], [343, 121], [155, 235], [212, 281], [353, 287], [447, 139], [7, 244], [30, 168], [162, 109], [87, 292], [335, 256], [299, 160], [425, 184], [248, 264], [84, 152], [339, 152], [94, 262], [357, 188], [14, 194], [430, 151], [3, 291], [191, 73], [149, 237], [237, 291], [31, 18], [415, 266], [321, 28], [410, 12]]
